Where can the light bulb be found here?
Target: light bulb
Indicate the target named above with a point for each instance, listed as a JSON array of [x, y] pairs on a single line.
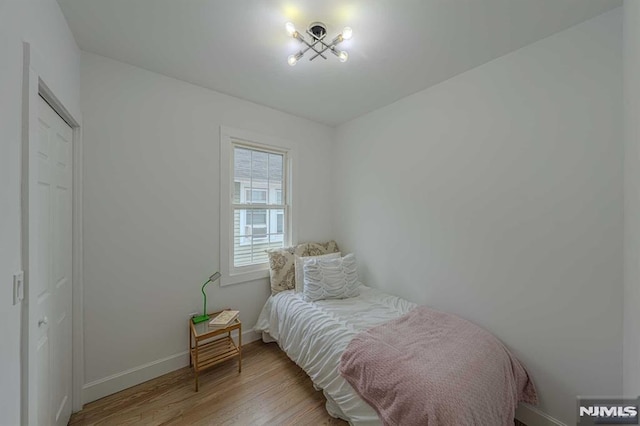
[[343, 56], [292, 60], [347, 33], [291, 29]]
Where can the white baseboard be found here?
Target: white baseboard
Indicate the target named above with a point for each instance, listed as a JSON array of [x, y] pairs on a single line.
[[142, 373], [133, 376], [531, 416], [250, 336]]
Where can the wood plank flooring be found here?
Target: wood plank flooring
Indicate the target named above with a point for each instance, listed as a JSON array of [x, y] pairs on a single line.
[[271, 390]]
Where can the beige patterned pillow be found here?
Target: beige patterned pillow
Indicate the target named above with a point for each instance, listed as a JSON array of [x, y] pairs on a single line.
[[282, 262]]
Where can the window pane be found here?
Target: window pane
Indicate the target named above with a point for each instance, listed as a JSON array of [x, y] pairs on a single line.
[[276, 221], [259, 166], [253, 217], [251, 223], [276, 240], [259, 231], [236, 192], [280, 224], [276, 178], [259, 176], [260, 217], [250, 250], [257, 196], [276, 167], [242, 166], [242, 175], [259, 247], [238, 221], [242, 251]]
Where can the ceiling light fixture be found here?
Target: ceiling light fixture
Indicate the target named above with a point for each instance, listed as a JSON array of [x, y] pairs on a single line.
[[318, 31]]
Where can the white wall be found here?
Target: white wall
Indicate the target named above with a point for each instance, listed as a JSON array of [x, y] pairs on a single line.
[[41, 23], [151, 204], [631, 361], [497, 195]]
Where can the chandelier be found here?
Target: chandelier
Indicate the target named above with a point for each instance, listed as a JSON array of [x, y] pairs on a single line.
[[317, 32]]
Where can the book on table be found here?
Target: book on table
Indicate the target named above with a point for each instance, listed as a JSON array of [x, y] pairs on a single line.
[[224, 318]]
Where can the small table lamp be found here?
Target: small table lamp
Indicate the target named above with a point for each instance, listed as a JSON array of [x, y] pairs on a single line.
[[204, 316]]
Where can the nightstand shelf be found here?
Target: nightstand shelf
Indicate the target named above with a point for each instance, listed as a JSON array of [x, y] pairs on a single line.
[[205, 350]]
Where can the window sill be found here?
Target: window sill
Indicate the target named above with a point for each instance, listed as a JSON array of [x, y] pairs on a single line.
[[244, 277]]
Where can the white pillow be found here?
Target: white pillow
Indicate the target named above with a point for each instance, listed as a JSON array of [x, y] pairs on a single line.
[[299, 265], [331, 278]]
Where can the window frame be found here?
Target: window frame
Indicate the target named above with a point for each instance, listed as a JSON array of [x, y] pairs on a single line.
[[230, 138]]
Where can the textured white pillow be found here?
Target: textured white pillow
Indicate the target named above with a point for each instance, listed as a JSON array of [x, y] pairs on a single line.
[[299, 265], [331, 278]]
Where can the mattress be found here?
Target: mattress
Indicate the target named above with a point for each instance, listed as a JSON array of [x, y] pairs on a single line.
[[314, 335]]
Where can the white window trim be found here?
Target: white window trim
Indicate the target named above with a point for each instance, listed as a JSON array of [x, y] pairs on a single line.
[[231, 274]]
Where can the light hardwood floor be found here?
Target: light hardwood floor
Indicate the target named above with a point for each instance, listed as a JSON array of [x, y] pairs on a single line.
[[271, 390]]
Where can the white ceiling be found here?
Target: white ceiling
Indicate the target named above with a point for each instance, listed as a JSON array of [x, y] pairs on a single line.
[[240, 47]]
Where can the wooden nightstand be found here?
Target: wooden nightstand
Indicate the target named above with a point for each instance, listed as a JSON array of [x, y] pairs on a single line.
[[205, 351]]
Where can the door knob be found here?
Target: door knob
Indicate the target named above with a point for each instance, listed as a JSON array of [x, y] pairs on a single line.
[[43, 321]]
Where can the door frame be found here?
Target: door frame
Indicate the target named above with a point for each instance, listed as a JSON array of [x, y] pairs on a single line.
[[35, 83]]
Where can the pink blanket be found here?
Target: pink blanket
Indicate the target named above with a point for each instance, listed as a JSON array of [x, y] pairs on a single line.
[[433, 368]]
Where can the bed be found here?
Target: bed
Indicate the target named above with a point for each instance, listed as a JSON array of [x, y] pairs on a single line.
[[380, 359], [315, 334]]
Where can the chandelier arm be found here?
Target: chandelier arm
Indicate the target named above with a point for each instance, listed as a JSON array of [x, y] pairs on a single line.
[[312, 47], [315, 41], [336, 41], [320, 53], [316, 55], [335, 51], [303, 51], [300, 38], [331, 47]]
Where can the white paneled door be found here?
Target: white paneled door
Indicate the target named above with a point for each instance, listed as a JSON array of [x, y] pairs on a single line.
[[50, 241]]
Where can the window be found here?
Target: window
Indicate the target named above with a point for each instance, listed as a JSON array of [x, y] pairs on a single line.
[[260, 174], [256, 196], [257, 216]]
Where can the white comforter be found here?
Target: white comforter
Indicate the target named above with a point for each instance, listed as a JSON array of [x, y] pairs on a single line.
[[314, 335]]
